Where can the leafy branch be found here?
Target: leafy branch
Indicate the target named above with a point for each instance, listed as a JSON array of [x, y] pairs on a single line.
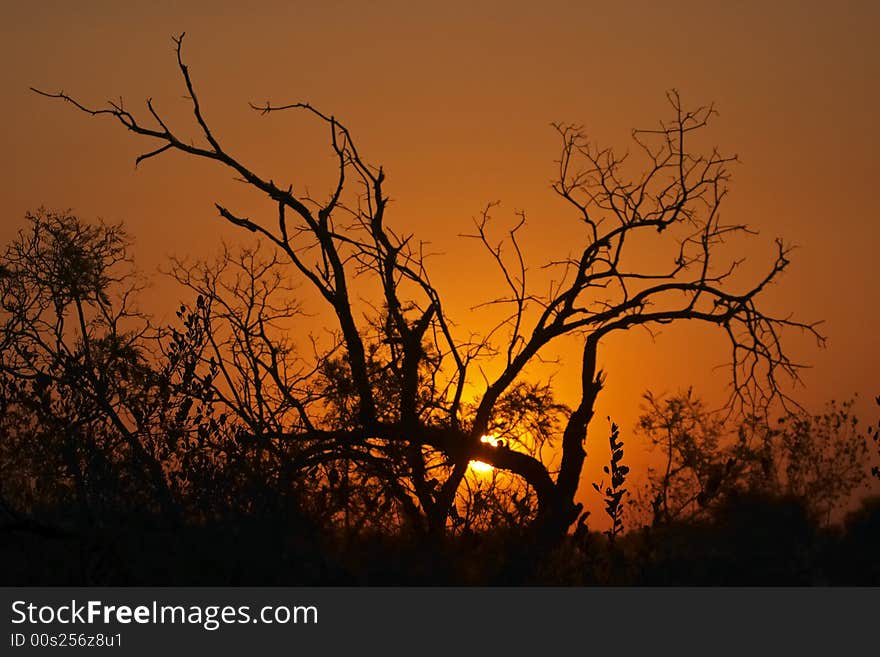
[[614, 493]]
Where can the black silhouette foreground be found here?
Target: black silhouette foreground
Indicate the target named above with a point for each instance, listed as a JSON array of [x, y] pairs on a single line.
[[230, 448]]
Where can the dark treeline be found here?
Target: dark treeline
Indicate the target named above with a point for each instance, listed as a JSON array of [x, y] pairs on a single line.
[[141, 454]]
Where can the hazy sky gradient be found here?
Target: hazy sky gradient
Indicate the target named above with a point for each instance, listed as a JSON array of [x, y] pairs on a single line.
[[455, 100]]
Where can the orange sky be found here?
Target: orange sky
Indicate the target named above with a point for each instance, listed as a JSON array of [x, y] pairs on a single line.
[[455, 101]]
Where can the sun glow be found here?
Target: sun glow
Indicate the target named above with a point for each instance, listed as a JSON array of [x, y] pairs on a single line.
[[479, 466]]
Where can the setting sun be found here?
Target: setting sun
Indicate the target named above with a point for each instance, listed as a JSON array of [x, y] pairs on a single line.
[[479, 466]]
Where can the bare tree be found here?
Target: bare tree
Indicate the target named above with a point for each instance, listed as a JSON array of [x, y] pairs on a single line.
[[672, 204], [277, 403]]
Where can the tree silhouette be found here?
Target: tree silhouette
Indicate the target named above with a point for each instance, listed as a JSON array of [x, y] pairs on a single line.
[[874, 433], [391, 393], [697, 465], [816, 459], [77, 386]]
